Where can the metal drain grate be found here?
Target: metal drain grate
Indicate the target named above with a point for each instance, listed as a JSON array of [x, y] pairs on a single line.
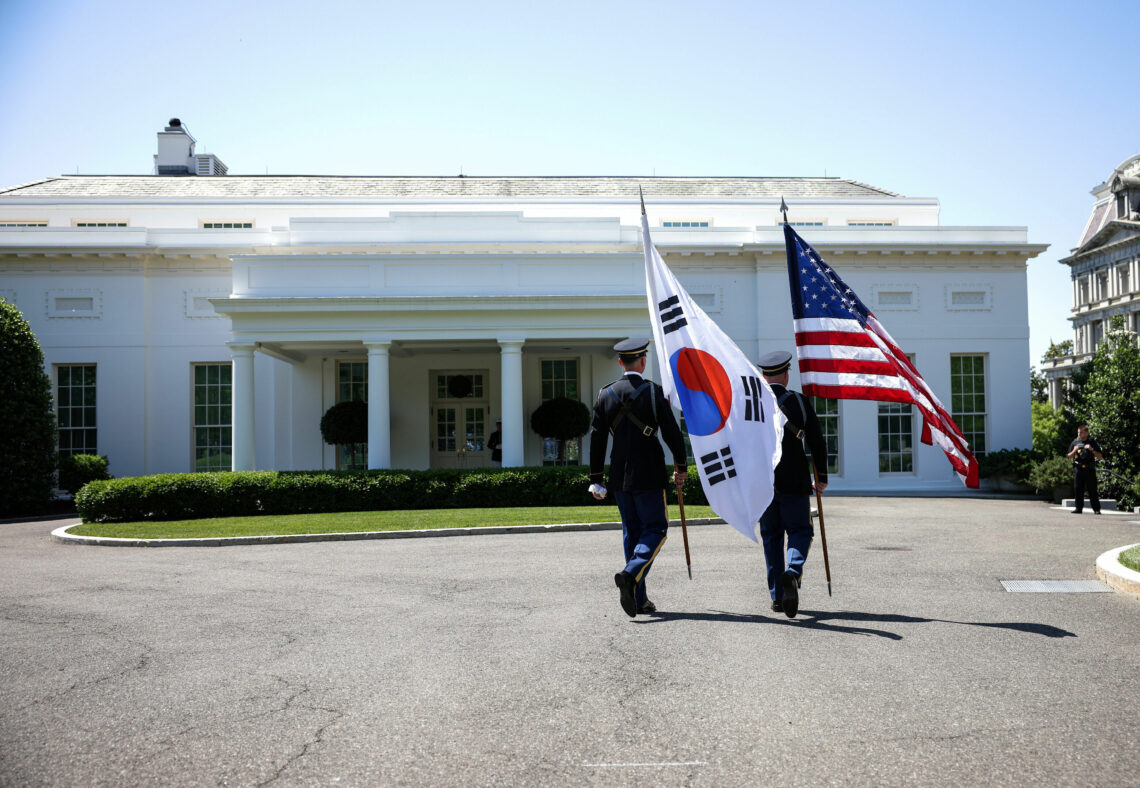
[[1056, 586]]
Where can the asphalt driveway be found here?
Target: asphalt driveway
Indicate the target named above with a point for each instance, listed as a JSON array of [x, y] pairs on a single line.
[[497, 660]]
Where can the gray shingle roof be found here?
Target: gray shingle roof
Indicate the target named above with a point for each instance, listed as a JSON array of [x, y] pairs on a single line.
[[427, 187]]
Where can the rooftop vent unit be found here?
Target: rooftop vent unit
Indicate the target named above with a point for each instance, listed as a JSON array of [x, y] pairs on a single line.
[[176, 154]]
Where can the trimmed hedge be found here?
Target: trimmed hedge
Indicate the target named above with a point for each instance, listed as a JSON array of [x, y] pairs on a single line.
[[187, 496]]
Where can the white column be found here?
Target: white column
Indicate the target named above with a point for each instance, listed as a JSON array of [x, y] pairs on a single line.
[[514, 419], [379, 406], [243, 446]]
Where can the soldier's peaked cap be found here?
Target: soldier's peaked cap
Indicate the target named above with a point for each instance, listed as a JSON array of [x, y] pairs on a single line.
[[775, 363], [632, 349]]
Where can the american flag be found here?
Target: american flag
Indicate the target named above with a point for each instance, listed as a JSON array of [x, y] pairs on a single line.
[[845, 353]]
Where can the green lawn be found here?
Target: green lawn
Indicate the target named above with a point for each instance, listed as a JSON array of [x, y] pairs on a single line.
[[1130, 558], [345, 522]]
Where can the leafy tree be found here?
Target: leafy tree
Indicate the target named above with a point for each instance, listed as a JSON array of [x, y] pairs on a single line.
[[1049, 436], [1058, 350], [27, 419], [1111, 404], [1038, 388]]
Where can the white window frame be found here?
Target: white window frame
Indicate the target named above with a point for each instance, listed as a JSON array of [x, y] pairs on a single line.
[[54, 310], [986, 304], [58, 399], [877, 291], [194, 309], [95, 223], [838, 472], [23, 222], [985, 414], [687, 223], [235, 224], [195, 426], [872, 222]]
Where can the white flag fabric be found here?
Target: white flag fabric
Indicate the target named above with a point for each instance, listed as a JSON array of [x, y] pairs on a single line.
[[734, 424]]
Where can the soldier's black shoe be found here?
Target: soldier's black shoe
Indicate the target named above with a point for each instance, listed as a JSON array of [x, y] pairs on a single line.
[[1075, 511], [648, 607], [791, 594], [778, 606], [627, 586]]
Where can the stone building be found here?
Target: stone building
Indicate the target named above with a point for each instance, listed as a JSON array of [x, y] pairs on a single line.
[[1105, 268]]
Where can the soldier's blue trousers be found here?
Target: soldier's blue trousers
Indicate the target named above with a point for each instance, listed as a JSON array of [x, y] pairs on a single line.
[[791, 515], [643, 524]]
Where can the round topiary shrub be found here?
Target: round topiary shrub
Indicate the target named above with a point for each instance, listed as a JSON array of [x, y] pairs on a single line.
[[345, 423], [562, 418], [27, 419]]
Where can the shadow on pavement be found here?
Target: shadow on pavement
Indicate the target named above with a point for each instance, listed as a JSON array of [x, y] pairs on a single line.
[[821, 620]]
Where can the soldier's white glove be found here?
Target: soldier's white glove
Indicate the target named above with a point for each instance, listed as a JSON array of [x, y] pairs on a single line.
[[598, 491]]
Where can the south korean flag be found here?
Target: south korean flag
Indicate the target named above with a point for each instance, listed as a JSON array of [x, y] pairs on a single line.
[[734, 424]]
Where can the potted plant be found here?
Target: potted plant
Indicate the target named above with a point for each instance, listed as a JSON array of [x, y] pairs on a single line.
[[346, 424], [560, 422]]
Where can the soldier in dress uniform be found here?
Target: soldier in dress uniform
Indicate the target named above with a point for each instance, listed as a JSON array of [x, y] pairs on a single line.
[[790, 510], [634, 411]]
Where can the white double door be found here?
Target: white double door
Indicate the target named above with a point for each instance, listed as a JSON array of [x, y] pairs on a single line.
[[459, 418]]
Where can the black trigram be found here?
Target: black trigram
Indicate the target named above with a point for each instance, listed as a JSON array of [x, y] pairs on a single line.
[[718, 465], [753, 404], [672, 317]]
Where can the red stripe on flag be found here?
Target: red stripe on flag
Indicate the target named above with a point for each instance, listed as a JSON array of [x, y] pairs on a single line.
[[855, 339], [852, 366]]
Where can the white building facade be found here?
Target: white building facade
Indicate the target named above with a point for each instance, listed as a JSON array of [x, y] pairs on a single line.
[[1105, 269], [207, 322]]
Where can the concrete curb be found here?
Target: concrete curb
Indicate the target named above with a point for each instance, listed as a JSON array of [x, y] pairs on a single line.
[[1114, 512], [61, 535], [1116, 575]]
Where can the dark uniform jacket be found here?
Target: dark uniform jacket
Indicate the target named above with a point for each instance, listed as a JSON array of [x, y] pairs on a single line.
[[1085, 459], [792, 474], [637, 461]]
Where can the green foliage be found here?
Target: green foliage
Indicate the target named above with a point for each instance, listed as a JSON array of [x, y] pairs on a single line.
[[1038, 386], [27, 419], [345, 423], [1112, 407], [1051, 473], [1050, 435], [1131, 558], [1058, 350], [77, 470], [551, 486], [186, 496], [1013, 464], [561, 418]]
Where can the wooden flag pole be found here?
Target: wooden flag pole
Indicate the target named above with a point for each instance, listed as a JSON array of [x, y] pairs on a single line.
[[685, 531], [822, 531]]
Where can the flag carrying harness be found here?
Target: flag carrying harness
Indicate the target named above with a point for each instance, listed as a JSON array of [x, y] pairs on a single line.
[[626, 412], [798, 430]]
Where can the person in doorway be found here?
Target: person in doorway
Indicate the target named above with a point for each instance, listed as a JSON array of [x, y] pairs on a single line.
[[495, 444], [634, 411], [1084, 452], [790, 511]]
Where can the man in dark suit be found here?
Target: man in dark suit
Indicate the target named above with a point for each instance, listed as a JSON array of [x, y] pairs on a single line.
[[790, 510], [1084, 452], [635, 411]]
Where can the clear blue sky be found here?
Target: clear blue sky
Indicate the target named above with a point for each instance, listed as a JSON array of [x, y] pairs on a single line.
[[1007, 112]]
